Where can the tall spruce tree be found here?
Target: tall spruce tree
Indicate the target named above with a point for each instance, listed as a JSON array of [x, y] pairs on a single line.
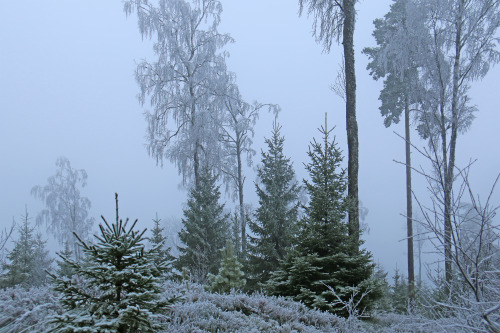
[[205, 229], [322, 256], [118, 287], [335, 21], [236, 233], [158, 241], [275, 220]]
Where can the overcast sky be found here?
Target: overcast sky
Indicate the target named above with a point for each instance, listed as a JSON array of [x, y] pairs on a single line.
[[67, 88]]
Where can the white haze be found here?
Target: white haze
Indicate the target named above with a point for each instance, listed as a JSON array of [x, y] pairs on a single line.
[[67, 89]]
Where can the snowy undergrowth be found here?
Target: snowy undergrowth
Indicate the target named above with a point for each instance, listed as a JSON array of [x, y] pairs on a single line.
[[200, 311], [24, 310]]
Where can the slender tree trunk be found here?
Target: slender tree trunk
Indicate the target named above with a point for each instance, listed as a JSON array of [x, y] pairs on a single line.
[[443, 170], [409, 212], [449, 176], [420, 260], [242, 207], [351, 122], [197, 145], [446, 185], [196, 160]]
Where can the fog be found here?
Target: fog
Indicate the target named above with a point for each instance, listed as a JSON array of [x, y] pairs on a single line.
[[67, 88]]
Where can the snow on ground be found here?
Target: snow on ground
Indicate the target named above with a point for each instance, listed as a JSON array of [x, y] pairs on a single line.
[[199, 311]]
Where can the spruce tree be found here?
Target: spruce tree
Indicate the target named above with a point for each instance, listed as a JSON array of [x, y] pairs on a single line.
[[322, 256], [384, 303], [275, 220], [205, 229], [159, 248], [28, 260], [230, 273], [42, 262], [236, 233], [117, 289], [400, 297], [64, 269]]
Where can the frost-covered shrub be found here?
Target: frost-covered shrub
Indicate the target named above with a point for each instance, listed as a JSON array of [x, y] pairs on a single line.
[[25, 310], [202, 311], [399, 323]]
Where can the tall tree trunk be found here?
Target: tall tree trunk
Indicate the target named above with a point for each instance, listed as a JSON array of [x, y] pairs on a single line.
[[449, 176], [409, 212], [447, 186], [242, 207], [197, 145], [196, 160], [351, 122], [442, 167]]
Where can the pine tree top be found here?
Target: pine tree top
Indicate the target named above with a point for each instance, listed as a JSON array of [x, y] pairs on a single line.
[[324, 225], [205, 229]]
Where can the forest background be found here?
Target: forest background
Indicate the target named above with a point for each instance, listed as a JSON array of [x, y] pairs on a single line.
[[68, 89]]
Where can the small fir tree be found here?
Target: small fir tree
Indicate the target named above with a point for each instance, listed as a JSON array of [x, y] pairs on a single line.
[[322, 256], [275, 220], [236, 233], [384, 303], [42, 262], [400, 297], [230, 274], [65, 269], [205, 229], [158, 243], [117, 289], [28, 261]]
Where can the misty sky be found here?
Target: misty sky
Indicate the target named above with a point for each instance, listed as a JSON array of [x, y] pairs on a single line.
[[67, 88]]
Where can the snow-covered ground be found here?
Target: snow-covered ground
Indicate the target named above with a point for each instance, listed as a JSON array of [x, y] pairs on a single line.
[[199, 311]]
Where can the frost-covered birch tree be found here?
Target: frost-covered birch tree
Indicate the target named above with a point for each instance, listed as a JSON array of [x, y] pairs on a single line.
[[464, 46], [401, 37], [236, 138], [333, 20], [179, 84], [66, 211], [473, 296]]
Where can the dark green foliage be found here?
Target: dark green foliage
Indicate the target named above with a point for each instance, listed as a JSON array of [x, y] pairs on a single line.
[[236, 233], [65, 269], [274, 223], [230, 273], [384, 303], [205, 230], [322, 255], [28, 260], [118, 287], [42, 262], [162, 256], [399, 293]]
